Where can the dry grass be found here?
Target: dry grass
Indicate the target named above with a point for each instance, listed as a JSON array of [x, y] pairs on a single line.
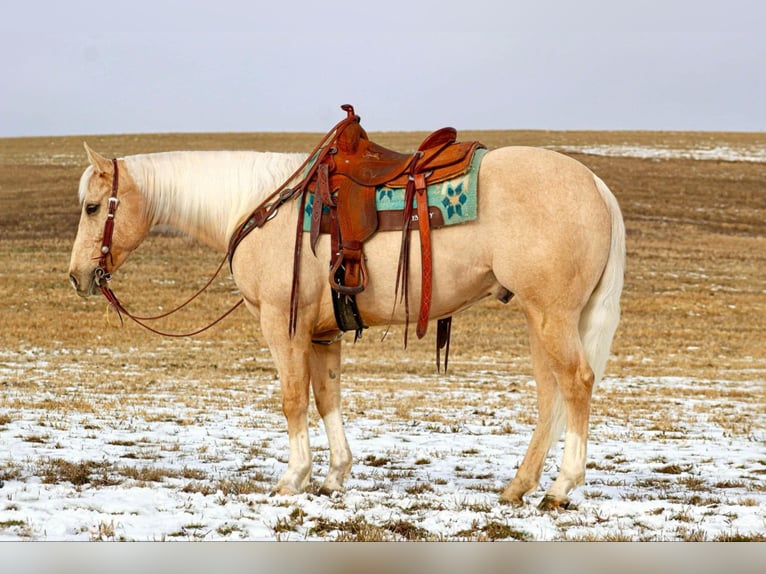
[[694, 299], [694, 307]]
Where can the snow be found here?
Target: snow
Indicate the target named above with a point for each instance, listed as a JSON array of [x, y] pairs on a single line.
[[171, 468], [753, 153]]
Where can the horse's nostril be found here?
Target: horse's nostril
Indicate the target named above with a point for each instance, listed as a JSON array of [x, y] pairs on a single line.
[[73, 280]]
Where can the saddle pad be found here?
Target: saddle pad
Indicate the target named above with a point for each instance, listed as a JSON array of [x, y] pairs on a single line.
[[455, 198]]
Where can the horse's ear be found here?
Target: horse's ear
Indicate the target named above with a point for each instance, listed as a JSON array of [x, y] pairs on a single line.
[[99, 162]]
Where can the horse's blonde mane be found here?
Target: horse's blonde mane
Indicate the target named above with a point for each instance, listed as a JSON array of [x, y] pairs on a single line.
[[208, 189]]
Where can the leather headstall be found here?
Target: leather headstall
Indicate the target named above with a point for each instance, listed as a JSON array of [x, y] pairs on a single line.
[[102, 273]]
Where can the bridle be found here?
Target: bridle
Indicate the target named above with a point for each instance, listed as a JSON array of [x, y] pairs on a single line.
[[103, 276]]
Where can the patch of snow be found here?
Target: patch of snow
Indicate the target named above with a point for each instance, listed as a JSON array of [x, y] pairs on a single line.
[[716, 153], [177, 470]]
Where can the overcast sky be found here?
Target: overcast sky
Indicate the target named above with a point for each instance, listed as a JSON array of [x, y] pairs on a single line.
[[136, 66]]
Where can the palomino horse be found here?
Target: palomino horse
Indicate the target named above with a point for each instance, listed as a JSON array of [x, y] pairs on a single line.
[[548, 231]]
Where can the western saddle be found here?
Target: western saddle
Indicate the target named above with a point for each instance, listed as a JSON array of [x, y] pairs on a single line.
[[343, 174]]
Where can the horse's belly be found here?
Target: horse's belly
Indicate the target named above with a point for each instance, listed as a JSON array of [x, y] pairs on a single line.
[[461, 275]]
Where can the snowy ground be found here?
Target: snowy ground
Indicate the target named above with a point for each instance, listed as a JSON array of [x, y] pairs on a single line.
[[200, 464], [711, 153]]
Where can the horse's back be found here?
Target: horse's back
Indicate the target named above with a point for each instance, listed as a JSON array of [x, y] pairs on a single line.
[[535, 176]]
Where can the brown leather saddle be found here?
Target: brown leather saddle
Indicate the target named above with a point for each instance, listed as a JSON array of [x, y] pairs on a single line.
[[344, 196], [346, 171]]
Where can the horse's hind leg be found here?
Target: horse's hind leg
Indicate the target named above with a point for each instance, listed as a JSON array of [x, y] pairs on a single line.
[[325, 380], [564, 376], [547, 430]]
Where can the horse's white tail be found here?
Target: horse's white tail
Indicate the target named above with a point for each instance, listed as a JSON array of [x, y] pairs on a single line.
[[601, 315]]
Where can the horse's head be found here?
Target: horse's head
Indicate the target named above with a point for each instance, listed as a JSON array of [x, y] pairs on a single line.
[[131, 224]]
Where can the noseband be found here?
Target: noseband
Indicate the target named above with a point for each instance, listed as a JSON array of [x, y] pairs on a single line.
[[102, 274]]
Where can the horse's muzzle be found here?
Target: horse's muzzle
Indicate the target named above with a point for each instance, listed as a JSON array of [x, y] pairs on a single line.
[[84, 288]]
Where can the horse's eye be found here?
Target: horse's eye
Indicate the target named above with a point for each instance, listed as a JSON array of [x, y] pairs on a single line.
[[91, 208]]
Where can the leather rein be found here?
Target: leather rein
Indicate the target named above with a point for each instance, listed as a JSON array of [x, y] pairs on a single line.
[[103, 276], [267, 209]]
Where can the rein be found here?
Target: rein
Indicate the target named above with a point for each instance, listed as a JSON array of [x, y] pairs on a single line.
[[265, 211], [103, 276]]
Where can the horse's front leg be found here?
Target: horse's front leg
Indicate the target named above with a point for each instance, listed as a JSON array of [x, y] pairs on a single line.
[[291, 356], [325, 380]]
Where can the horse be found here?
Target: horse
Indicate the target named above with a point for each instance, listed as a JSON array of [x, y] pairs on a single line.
[[548, 232]]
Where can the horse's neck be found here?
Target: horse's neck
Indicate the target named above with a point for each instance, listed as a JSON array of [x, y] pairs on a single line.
[[205, 194]]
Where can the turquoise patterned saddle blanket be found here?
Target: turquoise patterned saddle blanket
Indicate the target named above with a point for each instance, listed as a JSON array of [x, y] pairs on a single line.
[[455, 198]]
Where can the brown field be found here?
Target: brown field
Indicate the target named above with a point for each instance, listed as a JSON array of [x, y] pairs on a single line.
[[695, 292], [694, 304]]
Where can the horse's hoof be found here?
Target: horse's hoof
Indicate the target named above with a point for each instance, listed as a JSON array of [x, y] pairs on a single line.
[[511, 500], [284, 490], [331, 485], [550, 502], [330, 492]]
